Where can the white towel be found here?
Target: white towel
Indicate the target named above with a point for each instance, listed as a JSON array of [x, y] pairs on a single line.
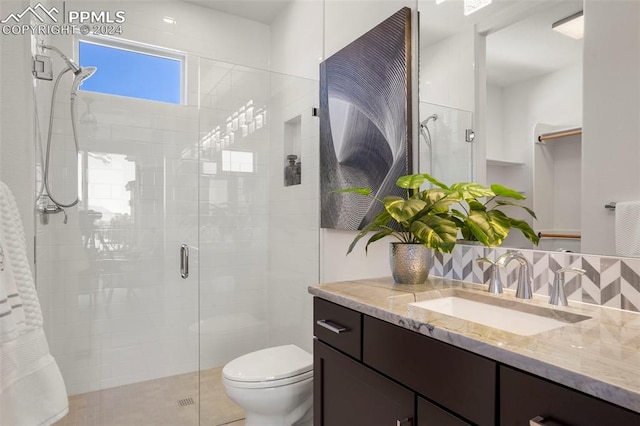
[[32, 391], [628, 228]]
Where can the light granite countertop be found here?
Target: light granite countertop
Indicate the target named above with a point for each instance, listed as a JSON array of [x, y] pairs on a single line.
[[599, 356]]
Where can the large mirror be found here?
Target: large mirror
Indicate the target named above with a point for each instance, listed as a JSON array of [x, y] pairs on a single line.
[[533, 94]]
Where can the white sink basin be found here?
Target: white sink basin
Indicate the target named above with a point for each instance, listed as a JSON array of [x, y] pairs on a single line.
[[506, 319]]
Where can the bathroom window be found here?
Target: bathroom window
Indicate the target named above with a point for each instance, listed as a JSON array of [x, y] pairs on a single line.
[[237, 161], [134, 71]]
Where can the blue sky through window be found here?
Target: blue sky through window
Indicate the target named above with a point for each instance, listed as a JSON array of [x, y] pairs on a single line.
[[133, 74]]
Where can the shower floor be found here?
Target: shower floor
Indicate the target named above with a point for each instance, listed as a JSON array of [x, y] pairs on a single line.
[[166, 401]]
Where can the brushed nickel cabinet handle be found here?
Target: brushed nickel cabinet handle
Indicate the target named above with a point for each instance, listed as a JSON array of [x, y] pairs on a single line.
[[332, 326], [405, 422], [540, 421]]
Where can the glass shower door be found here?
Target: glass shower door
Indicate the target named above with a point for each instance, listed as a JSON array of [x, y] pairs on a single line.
[[120, 320], [258, 248], [234, 221]]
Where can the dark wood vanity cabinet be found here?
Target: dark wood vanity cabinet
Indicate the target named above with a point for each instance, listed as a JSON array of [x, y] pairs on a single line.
[[369, 373], [524, 397]]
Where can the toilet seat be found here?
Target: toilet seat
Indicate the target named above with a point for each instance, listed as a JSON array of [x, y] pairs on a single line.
[[268, 383], [272, 367]]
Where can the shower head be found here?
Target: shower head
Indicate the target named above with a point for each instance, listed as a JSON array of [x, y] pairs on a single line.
[[424, 129], [74, 67], [433, 117], [81, 76]]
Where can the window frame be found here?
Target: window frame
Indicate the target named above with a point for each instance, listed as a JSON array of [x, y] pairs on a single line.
[[141, 48]]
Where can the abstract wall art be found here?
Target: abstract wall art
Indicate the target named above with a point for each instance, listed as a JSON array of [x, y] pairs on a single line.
[[365, 121]]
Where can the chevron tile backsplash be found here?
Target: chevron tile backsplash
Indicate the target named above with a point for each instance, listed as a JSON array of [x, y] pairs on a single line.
[[609, 281]]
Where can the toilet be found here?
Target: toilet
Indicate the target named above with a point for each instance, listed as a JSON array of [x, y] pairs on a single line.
[[274, 386]]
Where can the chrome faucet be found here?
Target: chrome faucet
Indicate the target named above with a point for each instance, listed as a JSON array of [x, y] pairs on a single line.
[[523, 291], [495, 286], [558, 295]]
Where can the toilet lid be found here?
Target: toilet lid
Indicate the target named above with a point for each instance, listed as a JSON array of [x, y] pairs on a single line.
[[269, 364]]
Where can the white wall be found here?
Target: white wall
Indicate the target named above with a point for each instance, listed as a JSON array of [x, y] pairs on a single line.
[[297, 39], [611, 152], [553, 99], [447, 71], [495, 111], [296, 52], [16, 129]]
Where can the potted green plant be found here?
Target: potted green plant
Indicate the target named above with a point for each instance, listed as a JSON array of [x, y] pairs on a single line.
[[426, 220], [485, 222], [419, 222]]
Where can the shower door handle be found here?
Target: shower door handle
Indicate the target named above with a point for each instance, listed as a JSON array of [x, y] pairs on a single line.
[[184, 261]]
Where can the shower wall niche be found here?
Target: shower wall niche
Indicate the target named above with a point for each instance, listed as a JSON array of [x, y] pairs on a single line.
[[292, 151]]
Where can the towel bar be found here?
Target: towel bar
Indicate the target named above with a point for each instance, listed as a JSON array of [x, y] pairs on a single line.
[[555, 235], [610, 205]]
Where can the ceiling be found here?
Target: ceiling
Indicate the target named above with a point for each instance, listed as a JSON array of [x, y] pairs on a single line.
[[530, 48], [520, 42], [264, 11]]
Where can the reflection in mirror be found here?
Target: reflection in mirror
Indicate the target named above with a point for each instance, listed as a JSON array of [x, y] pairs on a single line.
[[521, 79], [444, 151], [534, 86]]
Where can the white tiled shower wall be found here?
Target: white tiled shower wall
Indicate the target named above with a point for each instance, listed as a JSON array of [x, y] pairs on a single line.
[[294, 215]]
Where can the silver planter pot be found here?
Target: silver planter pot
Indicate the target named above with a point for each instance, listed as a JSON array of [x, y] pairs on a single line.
[[410, 263]]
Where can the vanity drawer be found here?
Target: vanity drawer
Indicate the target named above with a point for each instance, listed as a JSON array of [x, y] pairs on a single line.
[[454, 378], [338, 326], [524, 397]]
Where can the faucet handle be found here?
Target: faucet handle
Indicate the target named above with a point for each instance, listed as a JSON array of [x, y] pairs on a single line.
[[558, 296], [495, 285]]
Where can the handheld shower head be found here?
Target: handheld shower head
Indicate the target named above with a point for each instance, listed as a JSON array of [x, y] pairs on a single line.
[[81, 76], [74, 67], [433, 117], [424, 129]]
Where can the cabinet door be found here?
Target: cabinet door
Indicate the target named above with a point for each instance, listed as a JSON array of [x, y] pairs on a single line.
[[524, 397], [462, 382], [347, 393]]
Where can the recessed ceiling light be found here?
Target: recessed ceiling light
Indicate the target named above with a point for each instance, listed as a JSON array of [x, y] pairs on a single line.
[[573, 25], [471, 6], [169, 20]]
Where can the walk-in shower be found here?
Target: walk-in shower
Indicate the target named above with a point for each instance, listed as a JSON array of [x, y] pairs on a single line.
[[46, 203], [136, 343]]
